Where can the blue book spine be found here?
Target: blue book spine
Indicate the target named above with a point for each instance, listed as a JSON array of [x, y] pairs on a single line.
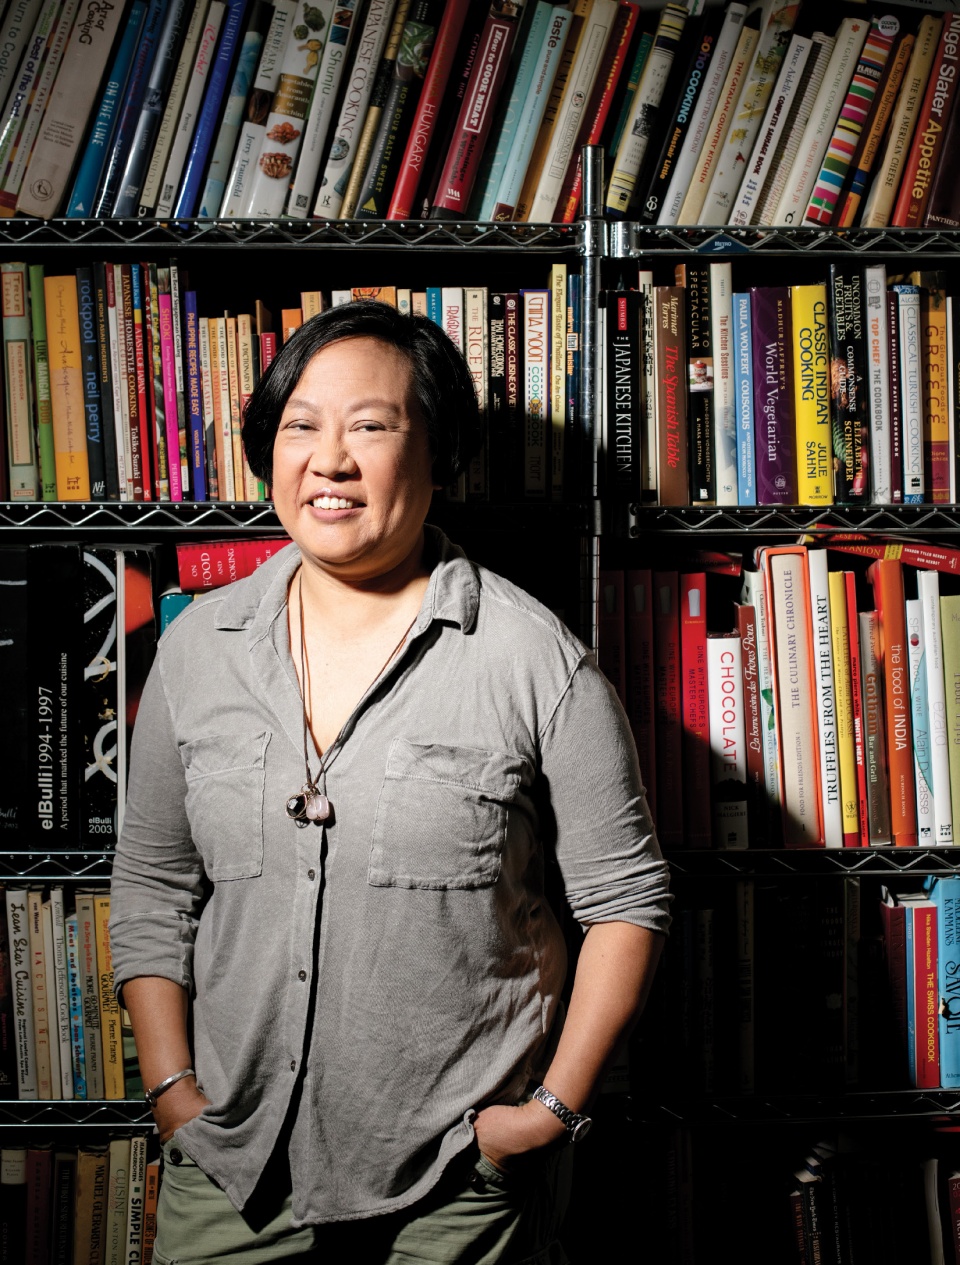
[[743, 386], [75, 993], [946, 893], [136, 88], [195, 437], [90, 353], [196, 165], [435, 305], [511, 119], [243, 77], [163, 67], [84, 191], [172, 605]]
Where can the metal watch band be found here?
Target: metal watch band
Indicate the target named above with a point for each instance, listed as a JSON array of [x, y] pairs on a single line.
[[575, 1124], [152, 1095]]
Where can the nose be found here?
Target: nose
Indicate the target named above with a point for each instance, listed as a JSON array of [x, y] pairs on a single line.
[[331, 457]]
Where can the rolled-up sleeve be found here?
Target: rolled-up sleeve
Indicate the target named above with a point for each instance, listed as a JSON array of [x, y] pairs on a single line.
[[156, 890], [605, 841]]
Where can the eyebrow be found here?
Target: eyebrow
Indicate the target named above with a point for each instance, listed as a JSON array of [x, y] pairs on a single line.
[[296, 401]]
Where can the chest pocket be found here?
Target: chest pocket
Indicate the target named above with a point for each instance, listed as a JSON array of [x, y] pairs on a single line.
[[225, 779], [442, 816]]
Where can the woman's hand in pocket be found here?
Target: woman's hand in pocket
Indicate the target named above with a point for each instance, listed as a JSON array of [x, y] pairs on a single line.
[[180, 1104], [504, 1134]]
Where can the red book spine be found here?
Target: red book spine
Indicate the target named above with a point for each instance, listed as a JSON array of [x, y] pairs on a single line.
[[666, 625], [476, 115], [148, 435], [927, 146], [747, 630], [886, 576], [217, 562], [428, 110], [595, 115], [268, 349], [641, 677], [862, 839], [149, 334], [696, 720], [924, 968]]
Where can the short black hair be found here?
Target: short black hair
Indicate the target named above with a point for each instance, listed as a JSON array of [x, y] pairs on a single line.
[[441, 382]]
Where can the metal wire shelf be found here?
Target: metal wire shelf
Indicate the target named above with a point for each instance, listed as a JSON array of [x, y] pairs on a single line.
[[129, 1114], [34, 867], [712, 520], [432, 235], [629, 240], [886, 1105], [878, 862]]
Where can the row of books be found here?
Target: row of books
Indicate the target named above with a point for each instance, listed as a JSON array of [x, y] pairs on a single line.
[[77, 641], [842, 389], [94, 1203], [117, 388], [752, 116], [814, 722], [63, 1034]]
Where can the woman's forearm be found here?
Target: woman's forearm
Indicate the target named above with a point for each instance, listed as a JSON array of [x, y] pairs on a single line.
[[158, 1012]]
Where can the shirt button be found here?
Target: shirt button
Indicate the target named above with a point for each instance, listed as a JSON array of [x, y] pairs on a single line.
[[176, 1157], [311, 875], [293, 1065], [301, 975]]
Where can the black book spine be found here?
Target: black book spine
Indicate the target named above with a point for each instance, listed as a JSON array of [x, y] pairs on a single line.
[[695, 280], [497, 416], [623, 393], [16, 727], [848, 380], [101, 701]]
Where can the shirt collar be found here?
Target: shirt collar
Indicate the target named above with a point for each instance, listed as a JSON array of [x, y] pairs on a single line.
[[452, 596]]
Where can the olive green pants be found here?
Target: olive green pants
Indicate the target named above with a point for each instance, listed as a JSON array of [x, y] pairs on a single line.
[[477, 1215]]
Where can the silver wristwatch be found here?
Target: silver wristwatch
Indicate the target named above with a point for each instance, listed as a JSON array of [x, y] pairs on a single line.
[[577, 1126]]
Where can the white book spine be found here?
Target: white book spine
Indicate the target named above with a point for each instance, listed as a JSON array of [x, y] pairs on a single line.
[[786, 150], [724, 390], [928, 587], [576, 95], [61, 991], [18, 933], [336, 54], [363, 72], [754, 594], [251, 133], [922, 768], [911, 393], [118, 380], [536, 386], [150, 194], [703, 113], [823, 118], [778, 111], [28, 71], [53, 1028], [878, 382], [749, 114], [284, 128], [826, 699], [728, 744], [192, 100], [16, 29], [136, 1190]]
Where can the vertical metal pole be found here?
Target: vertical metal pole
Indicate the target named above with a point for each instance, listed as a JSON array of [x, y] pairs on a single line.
[[593, 249]]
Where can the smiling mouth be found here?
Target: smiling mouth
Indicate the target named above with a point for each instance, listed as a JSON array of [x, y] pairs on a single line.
[[334, 503]]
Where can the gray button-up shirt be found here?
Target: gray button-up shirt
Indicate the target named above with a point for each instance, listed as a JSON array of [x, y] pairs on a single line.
[[401, 965]]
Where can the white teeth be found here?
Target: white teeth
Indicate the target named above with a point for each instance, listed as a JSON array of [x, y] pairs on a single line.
[[332, 503]]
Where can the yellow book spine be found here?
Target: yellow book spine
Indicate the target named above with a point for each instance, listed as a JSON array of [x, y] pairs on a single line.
[[113, 1087], [811, 383], [66, 388], [233, 384], [840, 636]]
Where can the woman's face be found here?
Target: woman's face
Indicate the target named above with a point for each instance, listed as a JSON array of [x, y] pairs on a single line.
[[351, 461]]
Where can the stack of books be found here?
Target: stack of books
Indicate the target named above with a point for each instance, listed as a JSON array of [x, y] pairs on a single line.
[[843, 389], [118, 388], [93, 1202], [827, 715], [63, 1034]]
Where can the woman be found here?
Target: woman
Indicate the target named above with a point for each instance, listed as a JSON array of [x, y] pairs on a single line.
[[348, 772]]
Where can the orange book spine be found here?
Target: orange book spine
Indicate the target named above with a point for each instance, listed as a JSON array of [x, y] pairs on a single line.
[[886, 576], [856, 695], [66, 388]]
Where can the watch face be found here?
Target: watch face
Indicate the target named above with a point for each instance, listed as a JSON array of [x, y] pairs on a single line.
[[580, 1130]]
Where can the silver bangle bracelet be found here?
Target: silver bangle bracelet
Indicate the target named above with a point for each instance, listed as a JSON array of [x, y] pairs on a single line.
[[152, 1095]]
